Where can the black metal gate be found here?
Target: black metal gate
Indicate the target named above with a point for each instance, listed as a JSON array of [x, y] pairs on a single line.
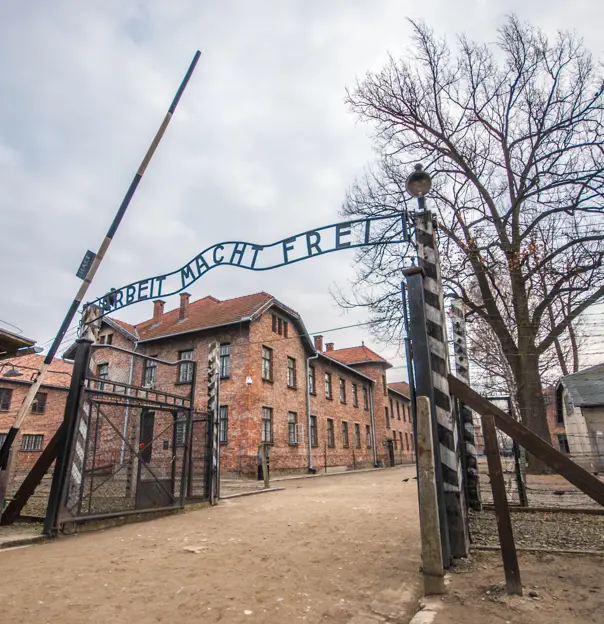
[[134, 447]]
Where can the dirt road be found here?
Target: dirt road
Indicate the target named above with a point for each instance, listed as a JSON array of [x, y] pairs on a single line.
[[333, 549]]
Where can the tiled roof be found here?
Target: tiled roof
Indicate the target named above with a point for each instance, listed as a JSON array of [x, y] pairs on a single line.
[[402, 387], [131, 329], [586, 388], [203, 314], [357, 355], [58, 374]]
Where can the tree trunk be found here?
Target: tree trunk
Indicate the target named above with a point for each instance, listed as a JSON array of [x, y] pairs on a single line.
[[531, 403]]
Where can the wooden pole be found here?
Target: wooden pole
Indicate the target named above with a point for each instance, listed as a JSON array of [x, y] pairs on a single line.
[[513, 584], [432, 557]]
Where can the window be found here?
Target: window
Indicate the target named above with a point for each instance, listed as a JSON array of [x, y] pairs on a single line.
[[314, 434], [149, 373], [185, 369], [39, 403], [563, 443], [365, 398], [391, 408], [328, 386], [31, 442], [291, 372], [400, 435], [109, 339], [279, 326], [267, 424], [368, 436], [412, 444], [102, 339], [387, 418], [384, 385], [102, 374], [225, 360], [357, 435], [312, 380], [395, 440], [345, 434], [292, 428], [181, 428], [406, 441], [342, 390], [267, 364], [355, 395], [398, 410], [5, 398], [404, 413], [223, 424], [331, 439]]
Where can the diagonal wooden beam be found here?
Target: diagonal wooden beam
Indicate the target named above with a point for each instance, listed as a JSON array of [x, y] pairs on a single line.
[[540, 448]]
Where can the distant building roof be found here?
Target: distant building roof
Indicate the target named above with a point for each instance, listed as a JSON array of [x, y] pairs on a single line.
[[402, 387], [58, 374], [357, 355], [10, 344], [586, 388]]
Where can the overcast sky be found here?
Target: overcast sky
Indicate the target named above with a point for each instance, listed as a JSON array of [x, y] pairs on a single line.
[[261, 147]]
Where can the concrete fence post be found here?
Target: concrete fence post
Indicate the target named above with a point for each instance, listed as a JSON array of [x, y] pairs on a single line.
[[432, 559]]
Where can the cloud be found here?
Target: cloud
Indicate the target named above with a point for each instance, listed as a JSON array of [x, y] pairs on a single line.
[[261, 146]]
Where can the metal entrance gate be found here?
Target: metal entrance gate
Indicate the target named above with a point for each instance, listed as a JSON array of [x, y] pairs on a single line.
[[134, 447]]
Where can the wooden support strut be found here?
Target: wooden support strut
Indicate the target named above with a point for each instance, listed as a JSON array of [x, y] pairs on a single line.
[[540, 448], [513, 583]]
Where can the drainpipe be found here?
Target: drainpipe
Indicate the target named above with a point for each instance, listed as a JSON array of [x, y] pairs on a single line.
[[308, 359], [127, 415], [372, 420]]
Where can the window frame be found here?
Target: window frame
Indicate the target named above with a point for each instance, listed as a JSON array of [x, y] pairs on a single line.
[[269, 360], [342, 390], [36, 403], [406, 440], [312, 380], [292, 440], [223, 424], [368, 436], [385, 385], [398, 410], [102, 373], [366, 398], [345, 435], [225, 360], [331, 433], [188, 365], [387, 417], [31, 436], [7, 393], [563, 437], [314, 432], [267, 410], [180, 426], [292, 373], [328, 387], [355, 395], [150, 365], [357, 435]]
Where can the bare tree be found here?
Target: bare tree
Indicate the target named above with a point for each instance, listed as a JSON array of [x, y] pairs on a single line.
[[512, 133]]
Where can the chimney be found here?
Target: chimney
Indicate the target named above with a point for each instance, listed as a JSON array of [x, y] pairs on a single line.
[[158, 309], [329, 346], [319, 343], [184, 306]]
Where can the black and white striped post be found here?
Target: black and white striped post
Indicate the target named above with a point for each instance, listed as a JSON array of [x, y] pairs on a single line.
[[88, 269], [428, 332], [468, 444], [213, 478]]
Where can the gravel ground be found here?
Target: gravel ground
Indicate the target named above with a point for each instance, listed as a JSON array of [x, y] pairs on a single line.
[[543, 530]]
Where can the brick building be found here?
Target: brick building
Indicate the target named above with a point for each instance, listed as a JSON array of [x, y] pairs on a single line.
[[350, 415]]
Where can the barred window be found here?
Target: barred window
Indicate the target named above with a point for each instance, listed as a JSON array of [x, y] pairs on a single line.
[[39, 403], [328, 394], [368, 436], [185, 369], [149, 373], [225, 360], [291, 372], [312, 380], [292, 428], [357, 435], [345, 434], [267, 424], [223, 431], [342, 390], [267, 364], [314, 434], [5, 399], [355, 395], [365, 398], [31, 442], [331, 439], [102, 374]]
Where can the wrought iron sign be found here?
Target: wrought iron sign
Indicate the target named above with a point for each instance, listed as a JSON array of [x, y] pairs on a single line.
[[309, 244]]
